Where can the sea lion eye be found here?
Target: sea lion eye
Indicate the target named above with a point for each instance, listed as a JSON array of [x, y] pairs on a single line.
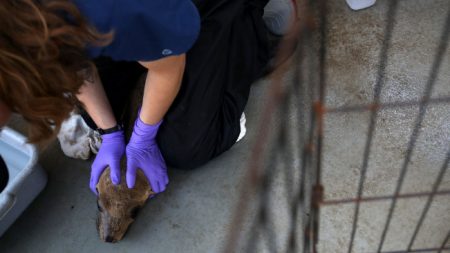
[[135, 212]]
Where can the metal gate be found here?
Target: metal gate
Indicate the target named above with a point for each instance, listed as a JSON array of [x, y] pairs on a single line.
[[288, 151]]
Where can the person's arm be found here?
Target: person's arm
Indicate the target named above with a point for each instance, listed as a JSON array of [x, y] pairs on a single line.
[[161, 87], [94, 100]]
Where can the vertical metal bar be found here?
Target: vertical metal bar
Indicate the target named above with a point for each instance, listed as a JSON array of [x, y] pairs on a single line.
[[308, 152], [302, 193], [322, 85], [253, 173], [309, 235], [436, 185], [260, 222], [298, 92], [284, 151], [269, 173], [284, 145], [251, 243], [374, 113], [308, 149], [319, 111], [440, 52], [444, 242], [308, 239]]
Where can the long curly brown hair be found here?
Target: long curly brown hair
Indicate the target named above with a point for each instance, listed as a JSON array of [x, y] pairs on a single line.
[[42, 56]]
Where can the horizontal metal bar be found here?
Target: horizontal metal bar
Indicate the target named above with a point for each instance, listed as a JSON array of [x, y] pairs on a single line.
[[385, 106], [379, 198], [415, 250]]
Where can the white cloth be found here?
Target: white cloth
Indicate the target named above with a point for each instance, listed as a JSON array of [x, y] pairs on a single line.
[[77, 140]]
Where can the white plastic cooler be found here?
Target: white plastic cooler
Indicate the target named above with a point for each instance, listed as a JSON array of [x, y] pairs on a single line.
[[26, 177]]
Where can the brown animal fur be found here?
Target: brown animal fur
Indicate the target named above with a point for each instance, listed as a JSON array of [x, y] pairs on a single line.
[[118, 205]]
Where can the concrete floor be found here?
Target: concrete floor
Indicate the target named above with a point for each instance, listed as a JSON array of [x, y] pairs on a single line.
[[193, 214], [353, 57]]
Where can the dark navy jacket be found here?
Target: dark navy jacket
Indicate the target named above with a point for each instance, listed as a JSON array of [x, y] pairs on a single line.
[[144, 30]]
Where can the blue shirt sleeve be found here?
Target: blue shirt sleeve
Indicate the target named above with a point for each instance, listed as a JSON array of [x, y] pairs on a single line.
[[144, 30]]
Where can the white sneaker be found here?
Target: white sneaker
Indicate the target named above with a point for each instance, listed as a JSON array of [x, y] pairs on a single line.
[[277, 16], [360, 4], [243, 128]]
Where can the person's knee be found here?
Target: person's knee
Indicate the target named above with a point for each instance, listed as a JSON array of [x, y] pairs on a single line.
[[180, 156]]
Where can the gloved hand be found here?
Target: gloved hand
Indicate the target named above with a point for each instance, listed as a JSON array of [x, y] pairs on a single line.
[[143, 153], [110, 153]]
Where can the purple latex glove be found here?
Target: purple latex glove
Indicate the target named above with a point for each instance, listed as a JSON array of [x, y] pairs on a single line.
[[110, 153], [143, 153]]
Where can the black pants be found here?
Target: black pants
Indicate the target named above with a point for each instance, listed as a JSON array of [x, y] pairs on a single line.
[[230, 54]]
